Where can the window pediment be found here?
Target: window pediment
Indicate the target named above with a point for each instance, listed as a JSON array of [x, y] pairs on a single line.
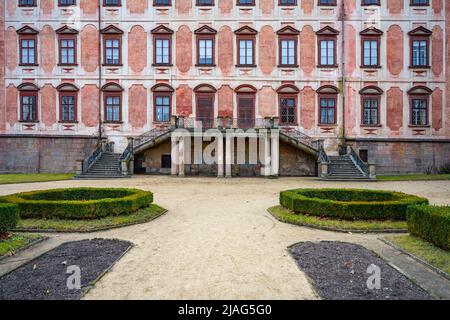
[[246, 88], [28, 86], [371, 31], [327, 31], [288, 88], [420, 90], [246, 30], [27, 30], [371, 90], [66, 30], [111, 29], [162, 87], [328, 89], [112, 87], [420, 31], [162, 30], [205, 30], [205, 88], [66, 87], [288, 31]]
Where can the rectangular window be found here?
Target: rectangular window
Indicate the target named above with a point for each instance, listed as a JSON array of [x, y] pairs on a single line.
[[419, 53], [63, 3], [112, 108], [112, 51], [161, 3], [288, 109], [288, 2], [162, 51], [166, 161], [419, 112], [67, 51], [327, 110], [205, 2], [246, 52], [205, 51], [327, 52], [370, 111], [245, 2], [68, 107], [420, 2], [28, 105], [27, 3], [28, 51], [370, 53], [162, 108], [111, 3], [327, 2], [288, 52], [371, 2]]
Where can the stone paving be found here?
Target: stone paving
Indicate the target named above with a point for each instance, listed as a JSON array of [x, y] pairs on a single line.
[[218, 242]]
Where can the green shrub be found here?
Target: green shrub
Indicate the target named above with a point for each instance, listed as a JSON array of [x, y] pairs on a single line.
[[350, 204], [79, 203], [9, 215], [430, 223]]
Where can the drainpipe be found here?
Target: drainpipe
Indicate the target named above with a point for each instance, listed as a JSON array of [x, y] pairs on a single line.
[[100, 123], [343, 141]]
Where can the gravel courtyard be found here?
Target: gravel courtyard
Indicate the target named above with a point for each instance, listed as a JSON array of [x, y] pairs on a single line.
[[218, 242]]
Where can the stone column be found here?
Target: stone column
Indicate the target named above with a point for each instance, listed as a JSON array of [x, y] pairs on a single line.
[[181, 157], [228, 154], [174, 170], [275, 143], [219, 157], [265, 145]]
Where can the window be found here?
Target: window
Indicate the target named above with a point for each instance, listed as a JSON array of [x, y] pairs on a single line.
[[68, 96], [64, 3], [28, 106], [246, 38], [420, 47], [162, 102], [112, 46], [27, 3], [327, 2], [288, 95], [161, 3], [327, 47], [245, 2], [28, 46], [370, 2], [370, 106], [112, 100], [327, 104], [205, 46], [162, 46], [419, 101], [205, 97], [370, 47], [112, 3], [287, 2], [67, 46], [205, 2], [288, 39], [420, 2], [166, 161], [246, 96]]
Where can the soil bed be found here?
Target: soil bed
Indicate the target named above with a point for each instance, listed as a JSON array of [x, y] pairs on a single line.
[[45, 278], [338, 271]]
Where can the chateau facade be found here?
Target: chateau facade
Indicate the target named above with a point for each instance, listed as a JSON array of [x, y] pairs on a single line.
[[374, 75]]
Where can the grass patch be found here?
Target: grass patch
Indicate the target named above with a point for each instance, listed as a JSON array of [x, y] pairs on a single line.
[[60, 225], [424, 250], [16, 242], [412, 177], [285, 215], [34, 177]]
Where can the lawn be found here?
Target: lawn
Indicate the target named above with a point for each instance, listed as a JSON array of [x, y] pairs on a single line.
[[424, 250], [41, 225], [410, 177], [16, 242], [284, 215], [33, 177]]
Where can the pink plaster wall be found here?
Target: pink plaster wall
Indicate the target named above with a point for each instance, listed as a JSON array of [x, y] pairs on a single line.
[[137, 6], [437, 6], [307, 108], [350, 49], [266, 6], [226, 6], [349, 6], [307, 6], [225, 101], [11, 46], [437, 104], [89, 105], [88, 7], [183, 6], [137, 49], [307, 49], [351, 106], [48, 105], [267, 50], [89, 48], [184, 100], [12, 108], [2, 68], [184, 49], [47, 6], [395, 6], [395, 50], [267, 102], [447, 71], [48, 49], [437, 47], [11, 7], [225, 46], [394, 109], [137, 106]]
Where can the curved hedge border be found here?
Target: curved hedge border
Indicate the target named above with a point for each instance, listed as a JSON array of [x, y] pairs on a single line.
[[79, 203], [430, 223], [350, 204], [9, 215]]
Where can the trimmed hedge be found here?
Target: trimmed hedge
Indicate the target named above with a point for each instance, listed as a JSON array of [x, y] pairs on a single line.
[[79, 203], [430, 223], [350, 204], [9, 216]]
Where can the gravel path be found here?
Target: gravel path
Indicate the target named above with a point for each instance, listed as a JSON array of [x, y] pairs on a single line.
[[45, 278], [218, 241], [339, 271]]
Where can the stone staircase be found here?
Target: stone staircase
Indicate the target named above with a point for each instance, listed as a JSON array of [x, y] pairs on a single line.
[[107, 166], [343, 168]]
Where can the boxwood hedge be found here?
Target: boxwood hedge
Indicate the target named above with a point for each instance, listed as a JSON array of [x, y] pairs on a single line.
[[79, 203], [430, 223], [350, 204], [9, 215]]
